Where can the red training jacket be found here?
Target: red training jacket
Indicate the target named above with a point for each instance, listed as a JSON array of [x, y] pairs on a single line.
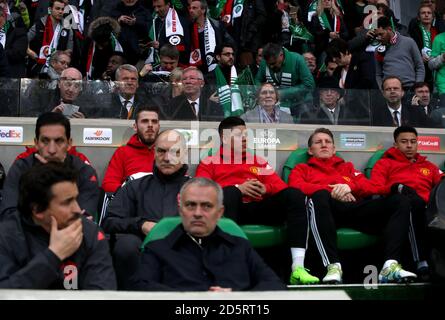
[[230, 173], [394, 167], [128, 159], [317, 174], [30, 150]]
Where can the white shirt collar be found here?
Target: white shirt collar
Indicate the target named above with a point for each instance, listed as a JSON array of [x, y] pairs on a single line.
[[122, 99], [196, 106]]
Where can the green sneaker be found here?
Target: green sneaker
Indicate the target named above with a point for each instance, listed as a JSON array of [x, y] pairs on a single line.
[[301, 276]]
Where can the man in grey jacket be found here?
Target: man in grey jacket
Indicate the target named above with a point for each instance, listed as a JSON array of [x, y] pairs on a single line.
[[140, 203]]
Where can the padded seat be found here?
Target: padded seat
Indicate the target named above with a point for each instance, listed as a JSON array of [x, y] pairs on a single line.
[[167, 224], [261, 236]]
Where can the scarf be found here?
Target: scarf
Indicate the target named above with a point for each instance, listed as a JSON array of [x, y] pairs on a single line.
[[49, 42], [116, 48], [270, 118], [78, 18], [312, 10], [284, 77], [229, 95], [4, 32], [34, 3], [427, 36], [209, 42], [324, 22], [232, 9], [174, 30]]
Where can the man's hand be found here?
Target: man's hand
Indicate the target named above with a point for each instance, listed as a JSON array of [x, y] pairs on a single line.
[[402, 189], [334, 35], [127, 20], [147, 226], [348, 198], [40, 158], [339, 190], [214, 97], [219, 289], [63, 243], [78, 115], [252, 188], [415, 100], [32, 54]]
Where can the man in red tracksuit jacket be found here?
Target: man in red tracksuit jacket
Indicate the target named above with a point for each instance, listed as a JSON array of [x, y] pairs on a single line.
[[253, 192], [138, 154], [337, 191], [404, 171]]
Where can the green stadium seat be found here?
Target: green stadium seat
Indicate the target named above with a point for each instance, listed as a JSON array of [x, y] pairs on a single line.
[[167, 224], [372, 161], [347, 239]]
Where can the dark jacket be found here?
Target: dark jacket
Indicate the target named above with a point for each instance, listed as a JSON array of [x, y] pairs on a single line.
[[361, 72], [177, 263], [411, 116], [149, 198], [86, 182], [130, 35], [4, 69], [15, 49], [27, 263], [180, 109], [114, 108]]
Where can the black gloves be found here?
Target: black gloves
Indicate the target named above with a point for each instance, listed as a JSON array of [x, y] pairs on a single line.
[[402, 189]]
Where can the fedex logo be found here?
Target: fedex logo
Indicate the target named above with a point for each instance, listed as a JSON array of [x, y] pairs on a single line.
[[11, 134]]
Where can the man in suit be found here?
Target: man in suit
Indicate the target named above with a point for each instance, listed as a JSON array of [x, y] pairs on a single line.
[[126, 100], [394, 113], [192, 104], [330, 110]]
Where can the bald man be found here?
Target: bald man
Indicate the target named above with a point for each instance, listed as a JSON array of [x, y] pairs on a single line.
[[141, 203], [70, 87]]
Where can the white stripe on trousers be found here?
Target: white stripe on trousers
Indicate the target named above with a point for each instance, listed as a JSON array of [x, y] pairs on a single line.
[[412, 239], [311, 211]]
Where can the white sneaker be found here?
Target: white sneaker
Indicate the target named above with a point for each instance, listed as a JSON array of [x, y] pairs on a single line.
[[334, 274], [395, 273]]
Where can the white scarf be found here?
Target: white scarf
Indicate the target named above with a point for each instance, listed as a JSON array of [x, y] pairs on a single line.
[[210, 45], [231, 93], [172, 24], [46, 51]]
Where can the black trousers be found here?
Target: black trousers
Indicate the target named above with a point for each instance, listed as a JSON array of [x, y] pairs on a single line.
[[287, 206], [389, 216], [126, 256]]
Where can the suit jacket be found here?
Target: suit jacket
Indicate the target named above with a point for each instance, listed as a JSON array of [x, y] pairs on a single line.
[[361, 72], [180, 109], [15, 49], [320, 116], [115, 109], [411, 116]]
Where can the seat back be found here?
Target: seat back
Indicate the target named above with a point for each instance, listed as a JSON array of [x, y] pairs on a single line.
[[167, 224], [372, 161], [297, 156]]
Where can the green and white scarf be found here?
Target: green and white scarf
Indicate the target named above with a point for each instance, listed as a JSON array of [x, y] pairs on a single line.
[[4, 32], [313, 8], [229, 95], [426, 37]]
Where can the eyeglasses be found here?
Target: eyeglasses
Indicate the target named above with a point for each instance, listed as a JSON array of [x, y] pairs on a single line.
[[192, 79], [64, 63]]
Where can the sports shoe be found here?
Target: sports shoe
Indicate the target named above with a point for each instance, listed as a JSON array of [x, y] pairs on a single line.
[[301, 276], [395, 273], [334, 274]]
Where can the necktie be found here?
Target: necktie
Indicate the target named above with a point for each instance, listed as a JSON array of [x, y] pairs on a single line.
[[193, 104], [124, 112], [396, 118]]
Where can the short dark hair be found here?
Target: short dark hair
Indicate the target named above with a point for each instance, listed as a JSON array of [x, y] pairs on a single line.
[[53, 118], [151, 108], [384, 22], [229, 123], [51, 2], [272, 50], [418, 85], [169, 50], [219, 49], [403, 129], [391, 78], [319, 130], [337, 46], [35, 185]]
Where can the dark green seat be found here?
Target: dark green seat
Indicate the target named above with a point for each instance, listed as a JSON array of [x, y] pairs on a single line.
[[372, 161], [347, 239], [166, 225]]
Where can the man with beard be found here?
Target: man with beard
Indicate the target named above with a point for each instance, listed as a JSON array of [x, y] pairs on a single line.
[[141, 203], [138, 154]]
